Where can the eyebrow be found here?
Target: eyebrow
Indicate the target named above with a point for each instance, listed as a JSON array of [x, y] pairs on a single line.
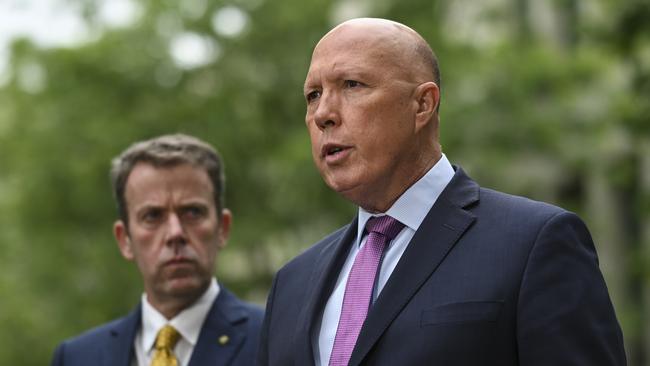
[[186, 203], [139, 211], [147, 206], [310, 83], [307, 87], [342, 73], [194, 203]]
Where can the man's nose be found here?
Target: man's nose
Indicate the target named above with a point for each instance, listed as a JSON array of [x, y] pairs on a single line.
[[327, 114], [175, 230]]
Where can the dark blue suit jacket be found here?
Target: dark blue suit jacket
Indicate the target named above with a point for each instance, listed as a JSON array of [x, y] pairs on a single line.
[[112, 344], [488, 279]]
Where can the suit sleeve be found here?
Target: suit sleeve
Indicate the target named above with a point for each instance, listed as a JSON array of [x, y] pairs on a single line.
[[263, 352], [565, 316], [57, 359]]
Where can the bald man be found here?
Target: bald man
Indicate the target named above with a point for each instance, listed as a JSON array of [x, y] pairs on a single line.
[[434, 270]]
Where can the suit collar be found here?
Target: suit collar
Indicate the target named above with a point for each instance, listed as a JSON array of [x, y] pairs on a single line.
[[321, 283], [187, 322], [227, 317], [445, 223], [223, 332], [415, 203], [122, 336], [462, 191]]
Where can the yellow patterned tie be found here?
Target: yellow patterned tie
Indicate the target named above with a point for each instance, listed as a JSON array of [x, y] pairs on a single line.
[[165, 342]]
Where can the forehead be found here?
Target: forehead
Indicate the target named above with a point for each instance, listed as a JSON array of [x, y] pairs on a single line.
[[184, 181], [355, 51]]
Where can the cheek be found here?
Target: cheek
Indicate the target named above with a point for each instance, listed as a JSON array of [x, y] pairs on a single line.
[[143, 243], [208, 239], [147, 260], [314, 138]]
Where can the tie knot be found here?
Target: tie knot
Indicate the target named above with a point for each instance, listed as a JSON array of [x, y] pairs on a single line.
[[384, 225], [167, 337]]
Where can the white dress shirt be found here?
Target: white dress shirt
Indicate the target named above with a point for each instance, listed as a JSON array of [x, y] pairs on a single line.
[[188, 323], [410, 209]]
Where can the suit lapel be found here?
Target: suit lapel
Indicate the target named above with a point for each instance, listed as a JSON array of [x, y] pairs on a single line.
[[223, 332], [122, 335], [321, 283], [443, 226]]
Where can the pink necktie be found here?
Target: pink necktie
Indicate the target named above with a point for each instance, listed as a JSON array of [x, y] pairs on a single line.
[[358, 290]]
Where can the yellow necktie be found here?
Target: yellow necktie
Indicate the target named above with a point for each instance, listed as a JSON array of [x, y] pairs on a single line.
[[165, 342]]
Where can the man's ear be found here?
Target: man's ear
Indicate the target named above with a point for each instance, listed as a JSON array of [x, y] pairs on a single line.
[[123, 240], [224, 227], [427, 96]]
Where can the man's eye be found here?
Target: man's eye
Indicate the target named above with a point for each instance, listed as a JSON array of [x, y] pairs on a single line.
[[151, 216], [194, 212], [352, 84], [312, 95]]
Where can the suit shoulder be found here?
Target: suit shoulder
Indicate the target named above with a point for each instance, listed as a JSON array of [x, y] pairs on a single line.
[[253, 309], [88, 346], [254, 324], [236, 309], [94, 336], [496, 200], [255, 313], [520, 216]]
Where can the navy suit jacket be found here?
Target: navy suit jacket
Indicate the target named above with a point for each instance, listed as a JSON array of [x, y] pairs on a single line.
[[488, 279], [112, 344]]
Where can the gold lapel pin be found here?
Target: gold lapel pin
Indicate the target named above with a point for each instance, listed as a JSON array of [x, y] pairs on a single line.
[[224, 339]]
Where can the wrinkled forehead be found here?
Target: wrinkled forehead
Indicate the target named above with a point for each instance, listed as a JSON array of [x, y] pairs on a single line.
[[379, 46], [353, 48]]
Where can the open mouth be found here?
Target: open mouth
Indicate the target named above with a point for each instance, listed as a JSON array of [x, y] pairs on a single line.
[[332, 149]]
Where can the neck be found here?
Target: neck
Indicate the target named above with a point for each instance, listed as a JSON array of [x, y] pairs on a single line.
[[169, 311], [384, 199]]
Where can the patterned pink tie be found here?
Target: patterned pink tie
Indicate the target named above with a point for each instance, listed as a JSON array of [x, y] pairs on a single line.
[[358, 290]]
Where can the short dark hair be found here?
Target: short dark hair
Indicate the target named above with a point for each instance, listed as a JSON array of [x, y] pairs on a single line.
[[167, 151], [424, 51], [430, 61]]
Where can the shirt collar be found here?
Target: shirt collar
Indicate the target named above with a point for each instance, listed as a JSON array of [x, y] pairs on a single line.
[[413, 205], [188, 322]]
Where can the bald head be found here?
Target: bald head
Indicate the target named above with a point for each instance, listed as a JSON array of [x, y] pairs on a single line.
[[397, 44], [372, 110]]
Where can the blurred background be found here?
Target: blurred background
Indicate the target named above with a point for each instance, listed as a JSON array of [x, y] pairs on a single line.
[[547, 99]]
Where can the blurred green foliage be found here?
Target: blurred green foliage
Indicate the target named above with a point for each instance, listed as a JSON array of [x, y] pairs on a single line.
[[543, 99]]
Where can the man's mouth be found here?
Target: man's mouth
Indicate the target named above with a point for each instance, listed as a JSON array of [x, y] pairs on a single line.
[[179, 260], [332, 149]]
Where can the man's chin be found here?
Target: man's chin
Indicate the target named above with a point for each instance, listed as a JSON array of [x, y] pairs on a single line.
[[338, 182], [352, 191], [186, 287]]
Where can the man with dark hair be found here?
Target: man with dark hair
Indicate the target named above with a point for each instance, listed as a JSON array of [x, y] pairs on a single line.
[[172, 224], [434, 270]]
